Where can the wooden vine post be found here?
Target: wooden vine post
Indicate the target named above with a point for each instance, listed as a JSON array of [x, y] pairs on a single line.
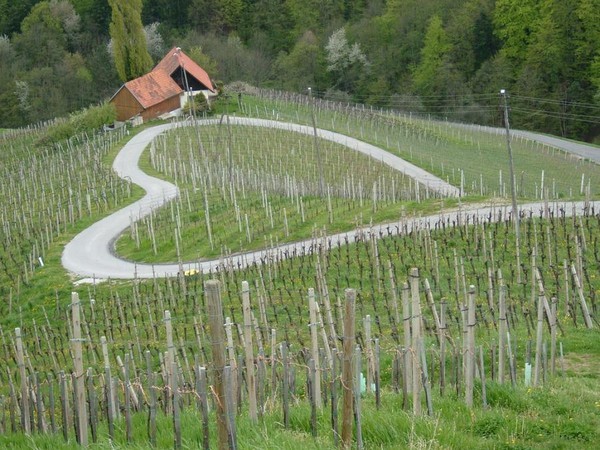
[[110, 401], [502, 327], [314, 339], [250, 382], [347, 371], [538, 339], [82, 434], [25, 419], [172, 375], [416, 335], [407, 379], [217, 342], [584, 308], [470, 355]]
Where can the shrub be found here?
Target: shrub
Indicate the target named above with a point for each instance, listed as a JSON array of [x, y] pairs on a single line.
[[199, 105], [85, 120]]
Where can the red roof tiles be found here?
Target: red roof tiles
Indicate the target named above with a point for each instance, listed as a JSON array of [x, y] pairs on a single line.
[[153, 88], [175, 58], [159, 85]]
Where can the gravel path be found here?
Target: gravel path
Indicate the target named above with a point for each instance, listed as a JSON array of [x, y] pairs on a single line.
[[90, 253], [577, 148], [585, 151]]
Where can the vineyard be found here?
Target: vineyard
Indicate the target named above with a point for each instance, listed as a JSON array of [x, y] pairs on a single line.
[[413, 333]]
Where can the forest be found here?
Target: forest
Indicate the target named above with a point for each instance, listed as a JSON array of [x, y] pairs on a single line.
[[444, 58]]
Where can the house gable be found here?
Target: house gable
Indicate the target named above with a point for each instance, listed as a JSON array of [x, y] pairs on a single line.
[[158, 91], [176, 62]]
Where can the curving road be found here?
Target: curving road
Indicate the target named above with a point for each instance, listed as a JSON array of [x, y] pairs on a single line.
[[90, 253], [586, 151]]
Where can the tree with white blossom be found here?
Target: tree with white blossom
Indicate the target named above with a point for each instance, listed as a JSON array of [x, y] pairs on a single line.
[[347, 62]]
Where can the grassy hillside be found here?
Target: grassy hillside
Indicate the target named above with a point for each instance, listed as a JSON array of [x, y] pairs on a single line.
[[562, 411]]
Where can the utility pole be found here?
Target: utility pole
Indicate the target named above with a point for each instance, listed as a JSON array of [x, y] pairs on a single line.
[[317, 150], [188, 91], [513, 184]]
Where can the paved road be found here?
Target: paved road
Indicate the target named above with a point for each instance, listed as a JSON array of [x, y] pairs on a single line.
[[577, 148], [90, 253], [585, 151]]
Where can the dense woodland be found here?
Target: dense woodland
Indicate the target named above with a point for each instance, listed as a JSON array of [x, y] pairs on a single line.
[[442, 57]]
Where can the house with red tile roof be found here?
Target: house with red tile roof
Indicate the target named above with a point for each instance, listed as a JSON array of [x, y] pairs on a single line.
[[165, 89]]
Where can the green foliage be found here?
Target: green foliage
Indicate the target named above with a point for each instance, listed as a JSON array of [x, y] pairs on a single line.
[[12, 14], [547, 50], [204, 61], [515, 22], [128, 40], [89, 119], [433, 57], [300, 68], [221, 16], [198, 106], [489, 425], [504, 396]]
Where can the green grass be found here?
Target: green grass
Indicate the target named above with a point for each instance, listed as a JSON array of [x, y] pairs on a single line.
[[445, 150], [276, 179], [563, 413], [267, 153]]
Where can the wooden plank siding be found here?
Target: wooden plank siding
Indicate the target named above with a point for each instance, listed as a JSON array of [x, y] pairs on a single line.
[[126, 105], [163, 107]]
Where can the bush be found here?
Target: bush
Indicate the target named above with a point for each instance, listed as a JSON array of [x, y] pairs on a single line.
[[88, 119], [198, 106]]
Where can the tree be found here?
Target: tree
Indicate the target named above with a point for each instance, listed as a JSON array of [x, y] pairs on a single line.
[[154, 41], [128, 40], [434, 57], [203, 60], [221, 16], [271, 21], [515, 21], [12, 14], [315, 15], [303, 66], [346, 62], [50, 77], [588, 42], [471, 33]]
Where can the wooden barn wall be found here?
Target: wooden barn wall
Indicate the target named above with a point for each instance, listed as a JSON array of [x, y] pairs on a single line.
[[163, 107], [126, 105]]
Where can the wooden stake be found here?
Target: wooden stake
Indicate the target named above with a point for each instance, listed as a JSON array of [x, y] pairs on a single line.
[[217, 341], [406, 314], [82, 432], [538, 340], [286, 387], [64, 403], [586, 314], [347, 370], [314, 338], [151, 400], [369, 352], [230, 406], [553, 326], [443, 306], [250, 382], [502, 327], [109, 395], [25, 421], [416, 335], [470, 361]]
